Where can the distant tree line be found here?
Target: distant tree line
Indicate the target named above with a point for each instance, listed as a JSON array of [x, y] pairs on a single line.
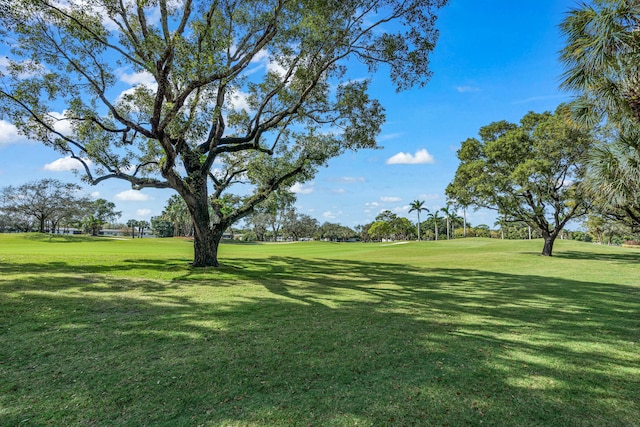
[[51, 206]]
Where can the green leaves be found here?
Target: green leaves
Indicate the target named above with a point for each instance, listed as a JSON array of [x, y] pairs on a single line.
[[529, 172]]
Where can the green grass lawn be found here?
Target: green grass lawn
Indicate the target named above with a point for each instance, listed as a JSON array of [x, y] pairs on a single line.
[[450, 333]]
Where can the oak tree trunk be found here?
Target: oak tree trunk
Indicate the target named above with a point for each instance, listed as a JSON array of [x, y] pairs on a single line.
[[547, 249], [206, 236], [205, 245]]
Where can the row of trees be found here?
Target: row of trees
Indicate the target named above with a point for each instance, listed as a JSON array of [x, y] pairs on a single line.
[[49, 205], [441, 223], [273, 220], [277, 219]]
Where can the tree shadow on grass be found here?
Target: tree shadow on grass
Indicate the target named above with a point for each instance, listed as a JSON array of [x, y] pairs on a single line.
[[329, 342], [61, 238], [631, 257]]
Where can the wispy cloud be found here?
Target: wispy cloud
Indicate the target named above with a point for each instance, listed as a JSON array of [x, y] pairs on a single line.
[[431, 196], [538, 98], [420, 157], [349, 179], [390, 136], [143, 212], [467, 89], [143, 78], [390, 199], [132, 196], [331, 214]]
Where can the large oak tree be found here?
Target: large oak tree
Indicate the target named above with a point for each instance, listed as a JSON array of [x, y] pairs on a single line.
[[529, 172], [208, 121]]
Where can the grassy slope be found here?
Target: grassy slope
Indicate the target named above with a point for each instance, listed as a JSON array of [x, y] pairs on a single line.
[[462, 332]]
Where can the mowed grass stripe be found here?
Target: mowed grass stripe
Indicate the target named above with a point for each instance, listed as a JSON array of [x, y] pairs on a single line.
[[461, 332]]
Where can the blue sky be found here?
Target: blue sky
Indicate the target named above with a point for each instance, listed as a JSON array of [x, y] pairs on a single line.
[[495, 60]]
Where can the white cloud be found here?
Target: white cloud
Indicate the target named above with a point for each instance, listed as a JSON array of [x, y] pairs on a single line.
[[239, 101], [95, 195], [9, 134], [390, 199], [331, 215], [421, 157], [142, 78], [266, 61], [132, 196], [31, 68], [339, 191], [298, 188], [62, 124], [467, 89], [65, 164], [143, 212]]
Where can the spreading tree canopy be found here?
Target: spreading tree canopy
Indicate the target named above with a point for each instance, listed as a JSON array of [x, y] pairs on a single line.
[[529, 172], [48, 201], [203, 117]]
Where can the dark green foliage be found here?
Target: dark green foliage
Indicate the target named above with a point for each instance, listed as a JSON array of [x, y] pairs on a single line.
[[161, 227], [529, 172]]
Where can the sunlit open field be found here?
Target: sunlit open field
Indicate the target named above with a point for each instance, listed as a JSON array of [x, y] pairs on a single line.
[[463, 332]]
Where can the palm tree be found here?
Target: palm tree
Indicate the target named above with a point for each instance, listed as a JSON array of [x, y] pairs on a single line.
[[613, 181], [464, 223], [601, 62], [501, 222], [418, 205], [447, 214], [132, 223], [434, 217], [600, 59]]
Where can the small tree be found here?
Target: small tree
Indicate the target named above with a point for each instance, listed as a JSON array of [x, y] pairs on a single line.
[[142, 225], [132, 224], [448, 215], [161, 227], [435, 219], [380, 230], [100, 212], [300, 225]]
